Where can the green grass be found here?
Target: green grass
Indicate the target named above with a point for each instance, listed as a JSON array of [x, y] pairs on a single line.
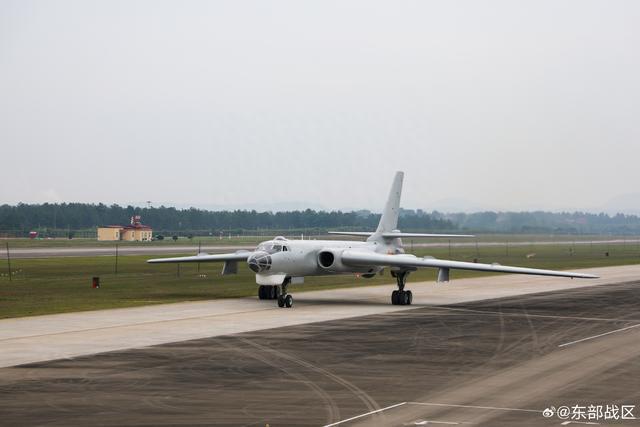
[[58, 285]]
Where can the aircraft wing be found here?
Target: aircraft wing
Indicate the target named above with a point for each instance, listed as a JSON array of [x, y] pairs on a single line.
[[236, 256], [362, 258], [392, 235]]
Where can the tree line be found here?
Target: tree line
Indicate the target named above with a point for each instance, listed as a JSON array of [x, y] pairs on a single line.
[[545, 222], [23, 218], [82, 216]]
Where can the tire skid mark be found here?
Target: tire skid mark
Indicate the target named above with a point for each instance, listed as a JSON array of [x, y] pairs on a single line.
[[333, 411], [363, 396]]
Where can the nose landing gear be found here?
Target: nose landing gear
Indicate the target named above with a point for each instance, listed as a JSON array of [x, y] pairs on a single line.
[[285, 299], [401, 297]]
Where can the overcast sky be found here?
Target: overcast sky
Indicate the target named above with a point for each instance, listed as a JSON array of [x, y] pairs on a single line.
[[483, 104]]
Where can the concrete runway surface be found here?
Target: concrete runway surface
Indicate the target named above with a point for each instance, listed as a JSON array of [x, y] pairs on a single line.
[[491, 351]]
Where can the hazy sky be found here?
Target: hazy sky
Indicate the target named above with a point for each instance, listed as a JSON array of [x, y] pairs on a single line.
[[484, 104]]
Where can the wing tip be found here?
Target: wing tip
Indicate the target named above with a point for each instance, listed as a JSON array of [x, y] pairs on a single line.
[[583, 276]]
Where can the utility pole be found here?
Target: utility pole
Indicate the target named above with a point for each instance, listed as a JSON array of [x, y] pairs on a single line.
[[116, 267], [8, 261]]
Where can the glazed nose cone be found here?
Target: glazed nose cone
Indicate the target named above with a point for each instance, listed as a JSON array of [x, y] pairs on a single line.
[[259, 262]]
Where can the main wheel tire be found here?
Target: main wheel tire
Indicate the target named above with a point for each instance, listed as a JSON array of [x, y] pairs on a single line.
[[276, 292], [409, 297], [405, 298], [281, 301], [288, 301], [261, 293], [394, 298]]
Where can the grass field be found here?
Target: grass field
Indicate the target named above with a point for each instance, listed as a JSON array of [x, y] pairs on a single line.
[[57, 285]]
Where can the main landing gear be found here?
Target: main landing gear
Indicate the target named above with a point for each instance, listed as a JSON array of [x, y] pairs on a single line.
[[268, 292], [285, 299], [401, 297]]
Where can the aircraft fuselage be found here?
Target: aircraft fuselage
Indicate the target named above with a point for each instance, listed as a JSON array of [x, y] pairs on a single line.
[[276, 259]]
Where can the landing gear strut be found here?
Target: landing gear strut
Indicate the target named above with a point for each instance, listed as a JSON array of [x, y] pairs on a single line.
[[285, 299], [401, 297], [268, 292]]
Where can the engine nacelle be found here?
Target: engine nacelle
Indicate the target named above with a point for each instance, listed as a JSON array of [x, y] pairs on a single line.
[[330, 259]]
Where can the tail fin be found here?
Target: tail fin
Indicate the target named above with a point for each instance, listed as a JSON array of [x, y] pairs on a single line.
[[389, 219]]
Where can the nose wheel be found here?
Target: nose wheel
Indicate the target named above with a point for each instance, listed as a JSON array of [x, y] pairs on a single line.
[[400, 296], [285, 299]]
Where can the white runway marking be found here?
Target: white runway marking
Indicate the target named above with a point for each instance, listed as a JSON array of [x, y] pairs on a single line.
[[422, 422], [368, 413], [579, 422], [598, 336], [472, 406]]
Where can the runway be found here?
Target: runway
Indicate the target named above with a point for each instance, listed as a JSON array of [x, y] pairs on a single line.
[[492, 351], [146, 249]]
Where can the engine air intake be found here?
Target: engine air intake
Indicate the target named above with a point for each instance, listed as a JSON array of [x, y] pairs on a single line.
[[326, 259]]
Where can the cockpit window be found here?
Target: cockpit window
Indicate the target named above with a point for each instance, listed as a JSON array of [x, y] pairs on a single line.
[[269, 248]]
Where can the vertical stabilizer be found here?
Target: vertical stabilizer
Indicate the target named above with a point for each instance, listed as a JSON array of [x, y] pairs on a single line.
[[389, 219]]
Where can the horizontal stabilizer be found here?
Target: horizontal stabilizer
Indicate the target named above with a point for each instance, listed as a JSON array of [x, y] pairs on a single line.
[[353, 233], [434, 236], [393, 235]]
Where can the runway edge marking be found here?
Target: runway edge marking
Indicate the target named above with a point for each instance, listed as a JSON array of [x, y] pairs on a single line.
[[364, 415], [495, 408], [599, 335]]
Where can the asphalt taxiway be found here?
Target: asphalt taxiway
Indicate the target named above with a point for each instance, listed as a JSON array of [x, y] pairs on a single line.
[[496, 357]]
